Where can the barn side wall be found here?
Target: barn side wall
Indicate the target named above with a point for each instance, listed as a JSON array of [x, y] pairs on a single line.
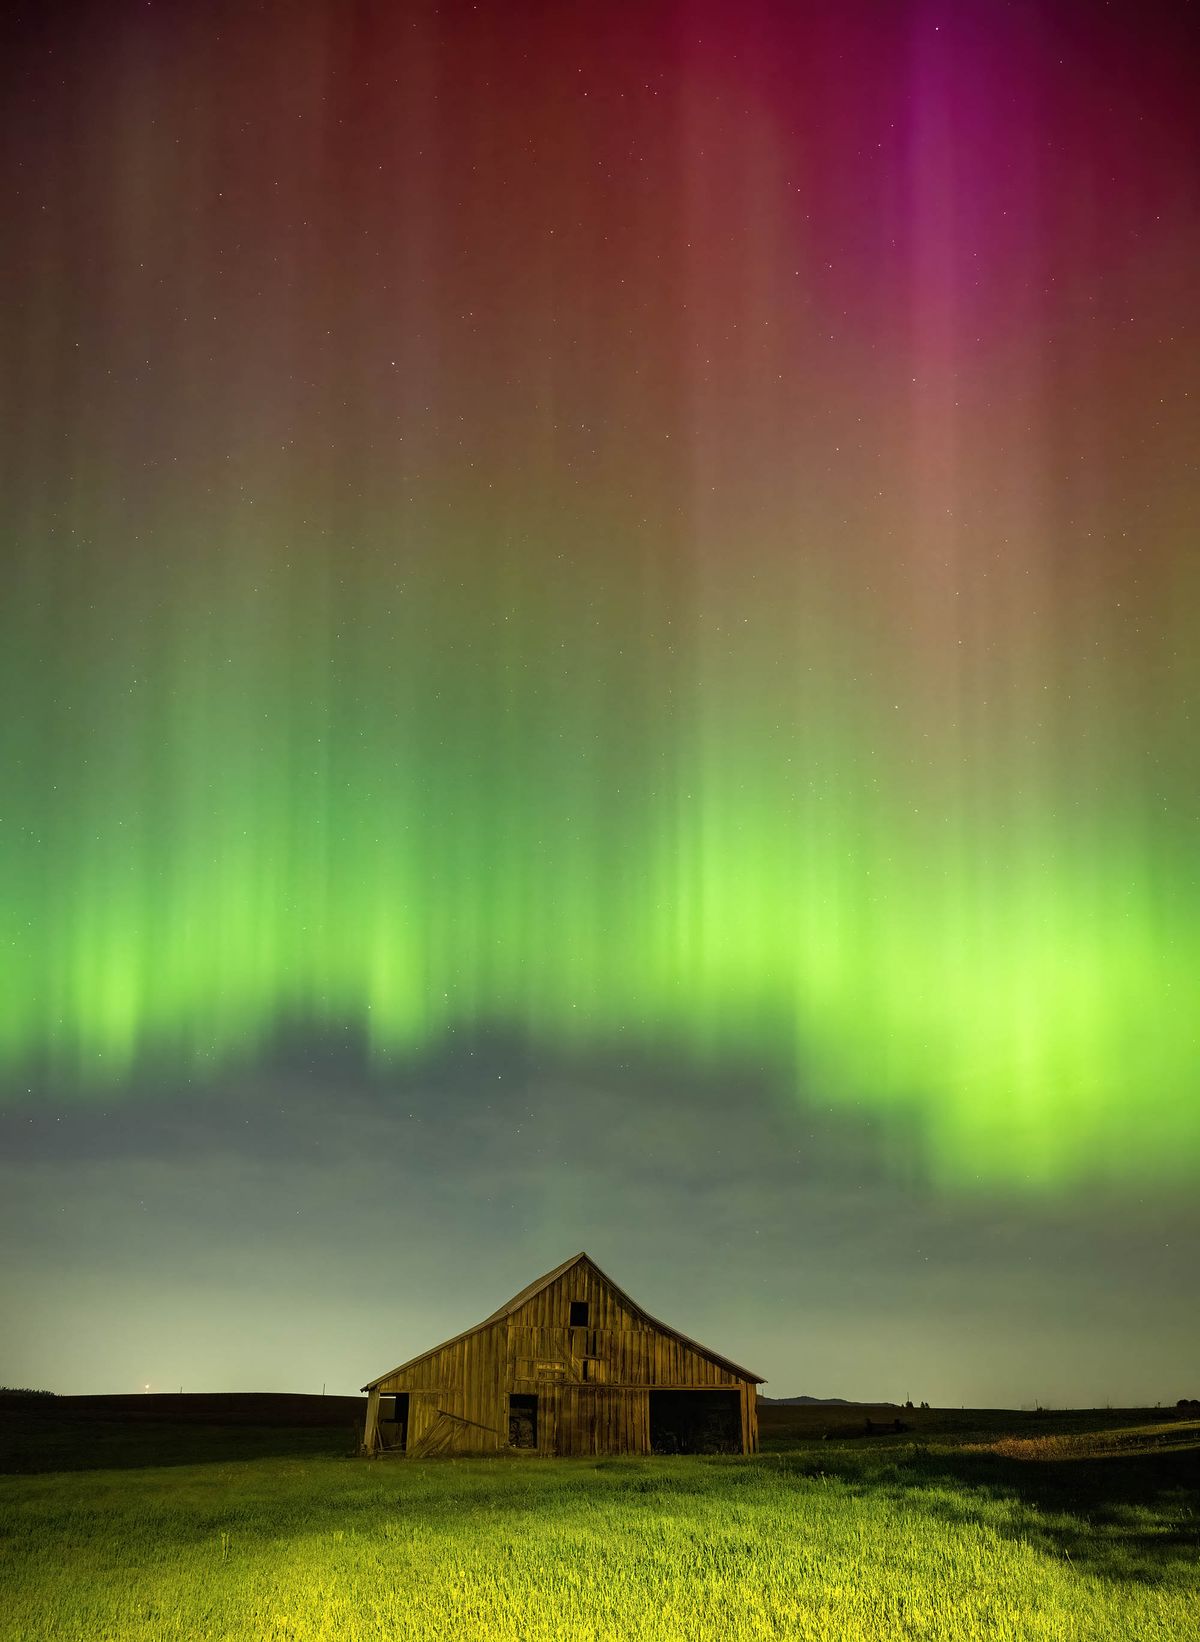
[[458, 1395]]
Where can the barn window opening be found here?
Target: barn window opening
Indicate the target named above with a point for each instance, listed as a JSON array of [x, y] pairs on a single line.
[[695, 1422], [522, 1422], [579, 1314]]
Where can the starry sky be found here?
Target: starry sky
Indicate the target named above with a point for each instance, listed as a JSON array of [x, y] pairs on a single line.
[[597, 647]]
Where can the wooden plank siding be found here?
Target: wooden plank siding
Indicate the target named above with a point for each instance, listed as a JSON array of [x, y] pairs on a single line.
[[592, 1383]]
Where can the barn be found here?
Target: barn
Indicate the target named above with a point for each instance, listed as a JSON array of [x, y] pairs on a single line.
[[571, 1365]]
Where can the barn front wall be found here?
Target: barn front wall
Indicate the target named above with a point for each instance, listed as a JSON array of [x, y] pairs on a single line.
[[529, 1378]]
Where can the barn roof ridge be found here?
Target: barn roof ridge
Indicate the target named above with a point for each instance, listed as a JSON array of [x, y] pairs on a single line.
[[534, 1288]]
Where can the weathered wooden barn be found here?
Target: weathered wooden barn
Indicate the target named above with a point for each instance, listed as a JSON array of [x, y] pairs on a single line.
[[571, 1365]]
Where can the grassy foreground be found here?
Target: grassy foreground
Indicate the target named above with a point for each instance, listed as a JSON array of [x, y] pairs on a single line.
[[937, 1533]]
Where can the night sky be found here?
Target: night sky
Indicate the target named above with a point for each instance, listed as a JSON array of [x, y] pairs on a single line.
[[598, 648]]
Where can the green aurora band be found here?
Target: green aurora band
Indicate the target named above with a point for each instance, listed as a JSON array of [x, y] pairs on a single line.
[[509, 788]]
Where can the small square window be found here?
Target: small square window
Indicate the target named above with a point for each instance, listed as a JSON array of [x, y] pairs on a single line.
[[579, 1314]]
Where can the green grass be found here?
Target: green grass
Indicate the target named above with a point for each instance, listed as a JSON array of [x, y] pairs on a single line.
[[938, 1533]]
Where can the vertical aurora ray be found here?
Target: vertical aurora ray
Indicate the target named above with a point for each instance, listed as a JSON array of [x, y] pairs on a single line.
[[622, 538]]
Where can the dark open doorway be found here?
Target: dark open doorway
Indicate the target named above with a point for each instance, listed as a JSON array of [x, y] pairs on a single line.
[[522, 1422], [695, 1422], [393, 1421]]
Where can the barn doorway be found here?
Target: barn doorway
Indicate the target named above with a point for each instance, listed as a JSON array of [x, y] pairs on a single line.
[[393, 1421], [695, 1422], [522, 1422]]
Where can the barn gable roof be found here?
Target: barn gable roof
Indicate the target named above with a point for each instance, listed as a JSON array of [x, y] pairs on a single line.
[[535, 1288]]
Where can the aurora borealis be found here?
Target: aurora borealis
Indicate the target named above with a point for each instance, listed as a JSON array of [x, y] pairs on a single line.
[[525, 529], [655, 532]]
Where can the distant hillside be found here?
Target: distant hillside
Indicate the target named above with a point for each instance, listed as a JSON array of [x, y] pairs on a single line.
[[823, 1402], [289, 1410], [39, 1434]]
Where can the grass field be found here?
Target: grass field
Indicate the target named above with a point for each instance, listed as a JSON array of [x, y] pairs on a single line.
[[969, 1525]]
